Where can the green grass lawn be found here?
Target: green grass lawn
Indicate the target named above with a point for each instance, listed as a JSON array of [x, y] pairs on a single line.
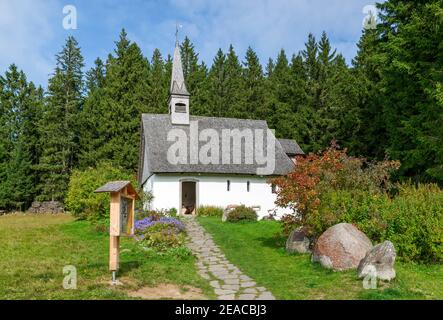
[[257, 250], [35, 248]]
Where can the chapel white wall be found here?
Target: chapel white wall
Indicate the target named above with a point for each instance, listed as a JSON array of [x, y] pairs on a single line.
[[212, 190]]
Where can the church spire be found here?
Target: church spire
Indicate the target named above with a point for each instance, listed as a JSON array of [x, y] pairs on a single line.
[[178, 94], [178, 85]]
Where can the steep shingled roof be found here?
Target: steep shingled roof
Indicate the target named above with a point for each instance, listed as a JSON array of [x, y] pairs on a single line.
[[178, 85], [154, 148], [291, 147]]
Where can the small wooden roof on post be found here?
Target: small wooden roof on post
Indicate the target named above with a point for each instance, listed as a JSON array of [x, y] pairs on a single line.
[[119, 186]]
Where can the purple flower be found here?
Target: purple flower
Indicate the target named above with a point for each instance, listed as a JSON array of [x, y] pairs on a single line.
[[142, 225]]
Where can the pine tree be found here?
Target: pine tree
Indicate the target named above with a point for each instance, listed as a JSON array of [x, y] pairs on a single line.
[[90, 117], [412, 77], [300, 110], [339, 113], [59, 124], [253, 91], [96, 76], [278, 97], [195, 74], [326, 55], [124, 97], [158, 83], [234, 97], [269, 68], [4, 145], [20, 104], [366, 72], [310, 57], [218, 85]]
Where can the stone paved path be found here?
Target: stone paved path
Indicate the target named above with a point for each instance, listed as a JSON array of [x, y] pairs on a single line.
[[228, 281]]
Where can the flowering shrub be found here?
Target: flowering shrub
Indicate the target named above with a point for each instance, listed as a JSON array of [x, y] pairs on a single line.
[[332, 187], [315, 175], [159, 232]]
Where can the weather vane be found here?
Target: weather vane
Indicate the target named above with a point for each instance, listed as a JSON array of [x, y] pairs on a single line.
[[177, 26]]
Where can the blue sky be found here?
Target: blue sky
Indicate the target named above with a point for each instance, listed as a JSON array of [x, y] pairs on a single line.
[[31, 31]]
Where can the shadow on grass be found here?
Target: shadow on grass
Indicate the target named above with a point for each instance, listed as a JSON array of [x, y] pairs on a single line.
[[127, 266], [276, 241]]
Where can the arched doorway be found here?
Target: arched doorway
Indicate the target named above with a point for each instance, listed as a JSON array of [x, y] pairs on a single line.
[[188, 197]]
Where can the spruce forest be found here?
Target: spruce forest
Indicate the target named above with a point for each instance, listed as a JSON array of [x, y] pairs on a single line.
[[386, 103]]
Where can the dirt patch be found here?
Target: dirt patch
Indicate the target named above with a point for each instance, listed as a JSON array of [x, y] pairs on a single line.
[[168, 291]]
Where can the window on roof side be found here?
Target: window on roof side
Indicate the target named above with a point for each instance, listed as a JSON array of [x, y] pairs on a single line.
[[180, 107], [228, 185]]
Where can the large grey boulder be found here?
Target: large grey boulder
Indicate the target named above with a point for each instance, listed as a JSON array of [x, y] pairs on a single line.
[[298, 241], [341, 247], [381, 259]]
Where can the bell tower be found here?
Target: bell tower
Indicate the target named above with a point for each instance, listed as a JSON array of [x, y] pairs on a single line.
[[178, 95]]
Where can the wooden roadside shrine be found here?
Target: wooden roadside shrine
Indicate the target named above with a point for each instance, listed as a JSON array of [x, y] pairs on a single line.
[[123, 196]]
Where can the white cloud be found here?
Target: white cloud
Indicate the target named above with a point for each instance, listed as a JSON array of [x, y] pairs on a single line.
[[26, 28], [269, 25]]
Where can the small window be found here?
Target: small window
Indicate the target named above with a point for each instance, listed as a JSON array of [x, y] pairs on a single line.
[[274, 188], [180, 107], [248, 186], [228, 185]]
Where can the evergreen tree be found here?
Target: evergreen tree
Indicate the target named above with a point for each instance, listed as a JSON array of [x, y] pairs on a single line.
[[58, 127], [158, 84], [234, 97], [369, 104], [253, 91], [90, 118], [195, 76], [410, 59], [278, 98], [218, 85], [124, 97], [269, 68], [20, 104], [302, 113], [4, 145], [326, 55], [96, 76]]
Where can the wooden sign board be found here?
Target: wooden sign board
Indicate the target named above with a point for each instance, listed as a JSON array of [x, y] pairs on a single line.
[[122, 215], [123, 196]]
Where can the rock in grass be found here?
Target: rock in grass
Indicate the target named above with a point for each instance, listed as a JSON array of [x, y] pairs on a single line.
[[298, 241], [381, 259], [341, 247]]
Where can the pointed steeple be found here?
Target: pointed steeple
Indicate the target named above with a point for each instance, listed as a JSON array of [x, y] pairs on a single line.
[[178, 85], [178, 94]]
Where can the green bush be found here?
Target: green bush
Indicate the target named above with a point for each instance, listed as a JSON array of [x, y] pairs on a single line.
[[412, 220], [81, 201], [361, 208], [210, 211], [242, 214], [415, 223]]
